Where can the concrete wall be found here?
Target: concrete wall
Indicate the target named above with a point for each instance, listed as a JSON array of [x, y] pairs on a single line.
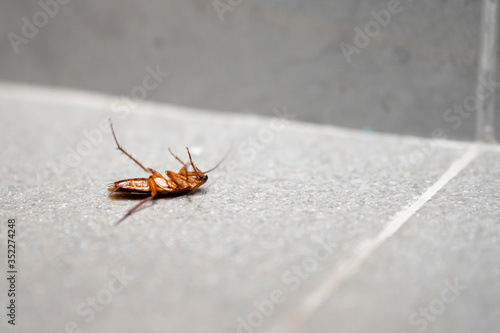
[[258, 55]]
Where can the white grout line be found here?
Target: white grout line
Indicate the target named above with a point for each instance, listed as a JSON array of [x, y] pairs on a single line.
[[322, 293]]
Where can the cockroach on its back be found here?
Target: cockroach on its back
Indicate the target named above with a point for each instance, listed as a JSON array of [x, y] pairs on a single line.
[[156, 185]]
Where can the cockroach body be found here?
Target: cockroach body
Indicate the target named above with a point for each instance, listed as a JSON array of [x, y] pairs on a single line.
[[156, 185]]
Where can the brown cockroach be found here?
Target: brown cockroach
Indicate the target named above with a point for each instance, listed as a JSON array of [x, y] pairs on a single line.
[[182, 182]]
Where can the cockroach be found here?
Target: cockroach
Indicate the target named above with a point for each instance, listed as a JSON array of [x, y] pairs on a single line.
[[182, 182]]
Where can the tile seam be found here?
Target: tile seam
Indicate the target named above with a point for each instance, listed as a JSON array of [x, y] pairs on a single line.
[[295, 318]]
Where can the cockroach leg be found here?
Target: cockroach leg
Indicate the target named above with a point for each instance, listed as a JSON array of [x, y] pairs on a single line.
[[156, 174], [133, 209], [123, 150], [152, 186], [176, 179], [175, 156], [183, 172], [195, 169]]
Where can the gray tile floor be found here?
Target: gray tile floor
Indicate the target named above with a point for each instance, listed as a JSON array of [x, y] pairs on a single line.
[[303, 228]]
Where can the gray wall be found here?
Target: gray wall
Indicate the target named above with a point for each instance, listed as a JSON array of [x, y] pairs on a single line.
[[262, 55]]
